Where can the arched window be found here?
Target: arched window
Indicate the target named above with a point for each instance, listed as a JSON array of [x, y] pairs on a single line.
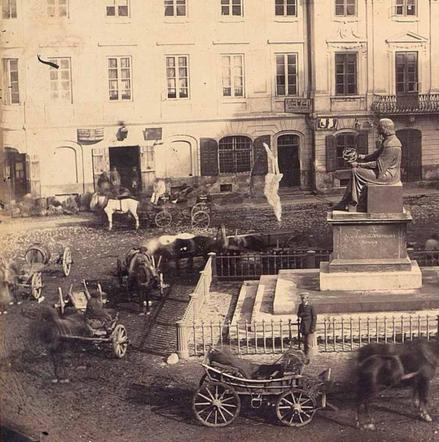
[[235, 154]]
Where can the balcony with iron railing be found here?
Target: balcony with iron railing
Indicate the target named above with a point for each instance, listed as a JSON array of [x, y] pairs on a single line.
[[407, 104]]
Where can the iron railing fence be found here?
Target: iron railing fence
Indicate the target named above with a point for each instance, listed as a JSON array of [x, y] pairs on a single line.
[[406, 104], [235, 266], [333, 334]]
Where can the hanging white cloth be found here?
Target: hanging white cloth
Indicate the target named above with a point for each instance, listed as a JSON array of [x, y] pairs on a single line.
[[272, 179]]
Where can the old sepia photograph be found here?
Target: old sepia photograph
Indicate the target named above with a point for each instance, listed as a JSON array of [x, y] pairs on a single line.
[[219, 220]]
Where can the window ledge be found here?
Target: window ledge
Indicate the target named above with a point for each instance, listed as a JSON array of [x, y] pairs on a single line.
[[347, 97], [405, 19], [346, 19], [233, 100], [288, 19], [117, 21], [231, 20]]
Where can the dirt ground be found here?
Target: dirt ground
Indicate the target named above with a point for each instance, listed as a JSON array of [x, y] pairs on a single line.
[[140, 398]]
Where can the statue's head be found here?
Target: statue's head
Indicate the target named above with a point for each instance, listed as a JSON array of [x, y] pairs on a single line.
[[386, 127]]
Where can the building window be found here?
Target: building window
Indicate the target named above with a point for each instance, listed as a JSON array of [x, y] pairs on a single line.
[[231, 7], [60, 80], [57, 8], [406, 65], [345, 8], [285, 8], [233, 75], [175, 8], [343, 141], [117, 8], [346, 74], [234, 154], [405, 7], [177, 74], [9, 8], [10, 81], [286, 74], [119, 78]]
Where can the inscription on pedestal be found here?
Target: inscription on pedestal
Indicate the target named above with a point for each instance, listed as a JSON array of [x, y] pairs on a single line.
[[370, 241]]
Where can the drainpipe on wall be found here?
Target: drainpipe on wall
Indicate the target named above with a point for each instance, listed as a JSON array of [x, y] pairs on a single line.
[[309, 11]]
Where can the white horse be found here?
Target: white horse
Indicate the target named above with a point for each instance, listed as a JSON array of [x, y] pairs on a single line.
[[111, 205]]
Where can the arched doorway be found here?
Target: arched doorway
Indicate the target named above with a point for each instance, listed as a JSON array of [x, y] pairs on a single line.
[[16, 172], [411, 163], [174, 160], [288, 158]]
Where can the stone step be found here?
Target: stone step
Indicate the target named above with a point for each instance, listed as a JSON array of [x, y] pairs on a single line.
[[246, 301], [264, 296]]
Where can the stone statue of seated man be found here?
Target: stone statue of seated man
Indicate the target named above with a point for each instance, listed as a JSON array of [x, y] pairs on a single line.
[[382, 167]]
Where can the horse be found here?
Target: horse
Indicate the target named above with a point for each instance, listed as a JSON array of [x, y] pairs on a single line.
[[8, 274], [111, 205], [382, 366]]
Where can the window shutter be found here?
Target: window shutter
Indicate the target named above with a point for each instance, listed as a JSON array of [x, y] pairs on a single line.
[[208, 157], [260, 163], [362, 142], [331, 154], [101, 162]]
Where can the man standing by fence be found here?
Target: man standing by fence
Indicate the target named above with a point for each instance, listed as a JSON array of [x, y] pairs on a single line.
[[307, 327]]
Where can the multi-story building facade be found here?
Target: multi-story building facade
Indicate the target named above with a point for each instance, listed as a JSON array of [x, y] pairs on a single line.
[[179, 89], [188, 90], [376, 58]]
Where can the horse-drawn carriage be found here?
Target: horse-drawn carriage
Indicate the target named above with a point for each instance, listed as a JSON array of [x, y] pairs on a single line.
[[75, 321], [40, 254], [225, 386]]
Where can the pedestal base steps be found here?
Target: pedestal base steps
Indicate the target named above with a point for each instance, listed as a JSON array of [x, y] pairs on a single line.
[[278, 297]]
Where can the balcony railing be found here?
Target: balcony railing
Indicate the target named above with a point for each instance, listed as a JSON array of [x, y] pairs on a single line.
[[406, 104]]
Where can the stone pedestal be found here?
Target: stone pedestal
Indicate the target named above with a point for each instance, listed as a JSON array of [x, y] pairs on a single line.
[[384, 199], [369, 248]]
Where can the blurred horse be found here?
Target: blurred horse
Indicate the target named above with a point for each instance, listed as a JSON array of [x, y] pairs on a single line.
[[382, 366], [8, 274], [111, 205]]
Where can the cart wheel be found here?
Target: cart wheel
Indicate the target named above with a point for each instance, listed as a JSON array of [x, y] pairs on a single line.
[[199, 207], [119, 339], [201, 220], [163, 219], [216, 404], [295, 408], [36, 285], [67, 261]]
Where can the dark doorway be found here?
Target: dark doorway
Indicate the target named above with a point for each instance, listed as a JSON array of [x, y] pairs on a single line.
[[127, 162], [16, 173], [411, 163], [288, 157]]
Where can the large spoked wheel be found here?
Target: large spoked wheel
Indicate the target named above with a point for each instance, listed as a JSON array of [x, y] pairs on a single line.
[[201, 220], [216, 404], [199, 207], [36, 285], [67, 261], [163, 219], [295, 408], [119, 340]]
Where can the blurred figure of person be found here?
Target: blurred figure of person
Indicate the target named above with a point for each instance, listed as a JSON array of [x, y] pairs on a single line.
[[115, 180], [134, 180], [432, 242], [159, 189], [307, 327], [104, 183]]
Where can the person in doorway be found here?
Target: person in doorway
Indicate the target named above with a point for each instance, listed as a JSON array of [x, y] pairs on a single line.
[[432, 242], [308, 319], [104, 183], [134, 180], [115, 180]]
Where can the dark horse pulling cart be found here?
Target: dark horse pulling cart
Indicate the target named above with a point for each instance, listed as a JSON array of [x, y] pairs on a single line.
[[223, 388]]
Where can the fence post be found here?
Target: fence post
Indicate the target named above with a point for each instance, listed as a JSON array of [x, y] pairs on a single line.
[[182, 338], [194, 299], [212, 256], [310, 262]]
